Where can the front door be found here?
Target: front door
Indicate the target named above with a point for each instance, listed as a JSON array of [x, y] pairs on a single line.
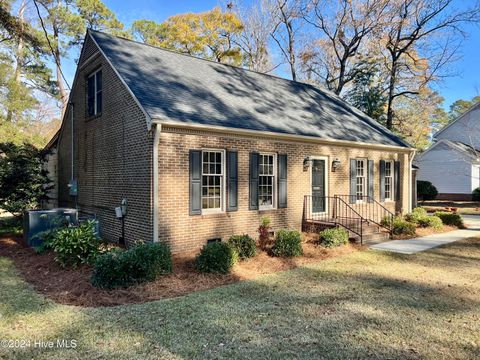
[[318, 186]]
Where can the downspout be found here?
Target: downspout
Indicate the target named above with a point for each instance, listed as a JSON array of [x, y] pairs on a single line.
[[156, 139], [410, 179], [72, 176]]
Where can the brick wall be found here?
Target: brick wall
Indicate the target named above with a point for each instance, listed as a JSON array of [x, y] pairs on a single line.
[[185, 233], [113, 154]]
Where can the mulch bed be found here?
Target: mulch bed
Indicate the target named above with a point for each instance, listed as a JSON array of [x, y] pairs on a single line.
[[73, 287]]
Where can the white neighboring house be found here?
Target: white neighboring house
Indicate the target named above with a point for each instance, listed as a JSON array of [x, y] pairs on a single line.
[[452, 163]]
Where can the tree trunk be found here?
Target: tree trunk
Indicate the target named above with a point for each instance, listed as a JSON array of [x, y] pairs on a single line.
[[391, 94], [61, 86], [19, 59], [291, 50]]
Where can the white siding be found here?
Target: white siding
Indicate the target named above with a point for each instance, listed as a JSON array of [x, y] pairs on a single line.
[[475, 177], [466, 129], [448, 170]]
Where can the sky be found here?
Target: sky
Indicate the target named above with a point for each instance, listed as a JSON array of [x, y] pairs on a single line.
[[464, 85]]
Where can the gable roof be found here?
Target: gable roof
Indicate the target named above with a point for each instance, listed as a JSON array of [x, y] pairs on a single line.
[[472, 108], [458, 146], [178, 88]]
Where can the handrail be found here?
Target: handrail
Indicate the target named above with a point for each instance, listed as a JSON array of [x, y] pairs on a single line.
[[372, 215], [335, 211]]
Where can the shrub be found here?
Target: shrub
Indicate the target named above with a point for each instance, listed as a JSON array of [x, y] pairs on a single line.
[[403, 227], [476, 194], [288, 243], [216, 257], [264, 232], [426, 190], [416, 214], [431, 221], [452, 219], [387, 221], [244, 245], [334, 237], [45, 239], [76, 245], [141, 263]]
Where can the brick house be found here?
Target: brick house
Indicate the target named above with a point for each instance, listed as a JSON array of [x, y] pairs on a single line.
[[203, 150]]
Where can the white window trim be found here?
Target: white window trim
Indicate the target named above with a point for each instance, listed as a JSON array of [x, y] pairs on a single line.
[[392, 182], [275, 179], [327, 164], [365, 176], [95, 104], [223, 192]]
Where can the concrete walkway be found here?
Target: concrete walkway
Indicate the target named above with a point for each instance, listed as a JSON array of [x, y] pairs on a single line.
[[413, 246]]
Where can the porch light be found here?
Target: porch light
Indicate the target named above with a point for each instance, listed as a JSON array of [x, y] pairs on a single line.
[[306, 163], [335, 164]]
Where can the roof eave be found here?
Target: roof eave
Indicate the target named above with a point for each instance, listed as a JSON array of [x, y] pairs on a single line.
[[292, 137]]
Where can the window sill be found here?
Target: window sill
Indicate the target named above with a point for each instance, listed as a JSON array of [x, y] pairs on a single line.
[[262, 209], [212, 212], [93, 117]]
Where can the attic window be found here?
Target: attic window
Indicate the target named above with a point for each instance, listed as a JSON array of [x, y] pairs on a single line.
[[94, 93]]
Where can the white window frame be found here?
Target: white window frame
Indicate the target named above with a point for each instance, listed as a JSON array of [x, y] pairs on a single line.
[[365, 179], [392, 177], [274, 182], [95, 92], [223, 184]]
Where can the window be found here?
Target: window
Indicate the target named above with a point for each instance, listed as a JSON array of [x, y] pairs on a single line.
[[266, 181], [94, 93], [388, 180], [361, 179], [213, 180]]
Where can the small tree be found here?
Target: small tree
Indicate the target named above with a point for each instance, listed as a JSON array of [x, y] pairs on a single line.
[[23, 179]]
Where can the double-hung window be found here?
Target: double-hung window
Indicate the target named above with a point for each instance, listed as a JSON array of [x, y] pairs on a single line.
[[213, 188], [361, 179], [266, 181], [94, 93], [389, 181]]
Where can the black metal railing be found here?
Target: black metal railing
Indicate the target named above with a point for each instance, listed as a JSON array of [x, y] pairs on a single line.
[[370, 209], [333, 210]]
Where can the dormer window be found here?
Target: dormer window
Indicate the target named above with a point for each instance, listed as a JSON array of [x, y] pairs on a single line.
[[94, 93]]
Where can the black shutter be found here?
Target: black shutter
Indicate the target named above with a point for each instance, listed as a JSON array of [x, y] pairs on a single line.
[[396, 174], [371, 195], [353, 181], [282, 181], [195, 169], [382, 180], [232, 181], [253, 183]]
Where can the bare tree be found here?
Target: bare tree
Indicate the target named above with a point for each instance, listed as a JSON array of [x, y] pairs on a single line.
[[342, 27], [413, 25], [253, 41], [286, 15]]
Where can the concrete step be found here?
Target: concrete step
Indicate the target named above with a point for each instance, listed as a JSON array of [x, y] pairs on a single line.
[[371, 239]]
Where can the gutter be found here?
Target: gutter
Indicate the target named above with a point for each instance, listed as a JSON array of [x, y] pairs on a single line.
[[281, 136], [156, 139]]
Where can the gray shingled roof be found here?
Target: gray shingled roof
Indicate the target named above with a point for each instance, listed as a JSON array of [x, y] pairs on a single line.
[[462, 147], [180, 88]]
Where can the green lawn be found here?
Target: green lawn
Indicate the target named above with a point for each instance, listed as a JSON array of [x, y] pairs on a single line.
[[363, 305]]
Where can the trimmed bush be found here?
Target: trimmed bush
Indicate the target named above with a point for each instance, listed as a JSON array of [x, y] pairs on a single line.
[[387, 221], [403, 227], [76, 245], [416, 215], [426, 190], [431, 221], [288, 243], [141, 263], [451, 219], [476, 194], [244, 245], [216, 257], [334, 237]]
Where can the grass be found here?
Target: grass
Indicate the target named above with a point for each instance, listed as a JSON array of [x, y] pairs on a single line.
[[363, 305]]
